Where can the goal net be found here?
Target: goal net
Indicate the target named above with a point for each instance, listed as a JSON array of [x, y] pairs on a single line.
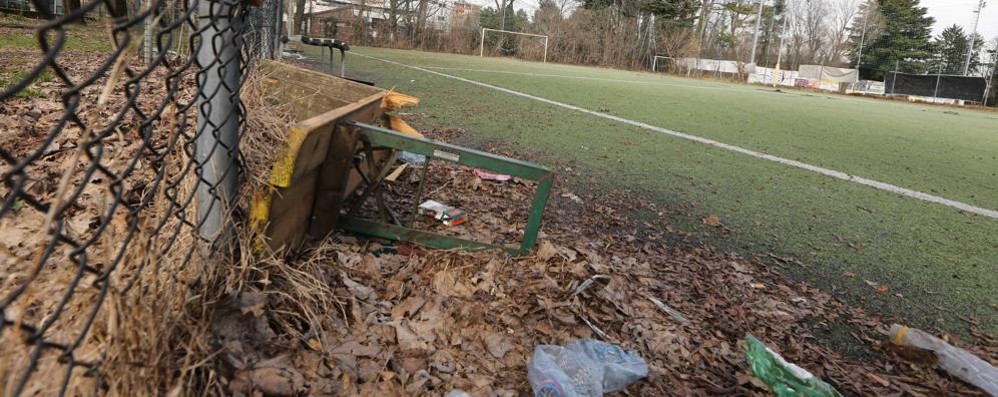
[[664, 64], [504, 43]]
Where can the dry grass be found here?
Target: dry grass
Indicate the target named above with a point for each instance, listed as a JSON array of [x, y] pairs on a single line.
[[156, 314], [267, 122]]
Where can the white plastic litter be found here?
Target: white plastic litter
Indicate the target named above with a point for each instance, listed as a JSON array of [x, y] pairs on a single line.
[[958, 362], [412, 158], [583, 368]]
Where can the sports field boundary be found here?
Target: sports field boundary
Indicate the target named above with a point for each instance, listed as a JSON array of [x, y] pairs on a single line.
[[990, 213], [763, 89], [565, 76]]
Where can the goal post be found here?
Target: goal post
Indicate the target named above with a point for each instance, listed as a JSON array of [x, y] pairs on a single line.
[[482, 43], [664, 59]]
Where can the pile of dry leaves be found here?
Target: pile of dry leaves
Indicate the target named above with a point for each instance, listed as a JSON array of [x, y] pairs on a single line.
[[411, 321]]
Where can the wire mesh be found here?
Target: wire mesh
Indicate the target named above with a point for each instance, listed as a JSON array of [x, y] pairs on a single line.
[[105, 160], [855, 45]]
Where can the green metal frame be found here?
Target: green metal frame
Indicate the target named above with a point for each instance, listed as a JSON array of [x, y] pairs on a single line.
[[373, 136]]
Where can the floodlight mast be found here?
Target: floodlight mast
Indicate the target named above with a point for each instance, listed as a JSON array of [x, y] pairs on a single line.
[[973, 33]]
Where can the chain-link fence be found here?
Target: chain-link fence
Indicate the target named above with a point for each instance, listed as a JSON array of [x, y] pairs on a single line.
[[119, 156], [850, 46]]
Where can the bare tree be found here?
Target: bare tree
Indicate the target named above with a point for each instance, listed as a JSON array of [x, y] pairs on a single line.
[[867, 26], [566, 7], [69, 6], [299, 16], [815, 27], [394, 7], [841, 17]]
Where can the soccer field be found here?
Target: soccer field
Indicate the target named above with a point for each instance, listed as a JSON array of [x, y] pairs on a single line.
[[712, 148]]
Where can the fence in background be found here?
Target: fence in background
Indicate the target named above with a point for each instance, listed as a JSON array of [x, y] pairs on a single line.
[[929, 87], [936, 87], [865, 38], [120, 174]]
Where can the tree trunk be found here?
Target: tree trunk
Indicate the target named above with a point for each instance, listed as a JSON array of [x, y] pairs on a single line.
[[393, 23], [299, 16], [420, 21], [118, 8], [70, 6]]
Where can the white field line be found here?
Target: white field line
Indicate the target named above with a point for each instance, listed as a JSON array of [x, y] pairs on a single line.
[[705, 87], [737, 149], [758, 89]]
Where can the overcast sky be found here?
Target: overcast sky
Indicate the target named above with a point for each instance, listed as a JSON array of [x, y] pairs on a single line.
[[946, 12], [961, 12]]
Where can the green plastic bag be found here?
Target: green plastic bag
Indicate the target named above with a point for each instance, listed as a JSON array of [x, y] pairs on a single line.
[[784, 379]]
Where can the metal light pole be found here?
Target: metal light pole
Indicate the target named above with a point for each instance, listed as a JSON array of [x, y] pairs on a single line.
[[897, 64], [503, 16], [935, 92], [779, 50], [987, 87], [973, 32], [755, 37], [862, 38]]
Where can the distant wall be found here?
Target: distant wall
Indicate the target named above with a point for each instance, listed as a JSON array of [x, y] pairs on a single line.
[[828, 73], [763, 75], [715, 65]]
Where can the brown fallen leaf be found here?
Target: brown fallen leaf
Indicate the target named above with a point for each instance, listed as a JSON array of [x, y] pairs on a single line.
[[880, 288], [546, 251], [447, 285], [371, 266], [358, 290], [711, 220], [275, 377], [407, 339], [497, 343], [408, 306], [876, 379]]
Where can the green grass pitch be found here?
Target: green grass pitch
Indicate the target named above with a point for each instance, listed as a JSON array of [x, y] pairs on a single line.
[[941, 264]]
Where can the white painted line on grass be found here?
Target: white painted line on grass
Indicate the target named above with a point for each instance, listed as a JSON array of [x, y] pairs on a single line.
[[752, 88], [705, 87], [737, 149]]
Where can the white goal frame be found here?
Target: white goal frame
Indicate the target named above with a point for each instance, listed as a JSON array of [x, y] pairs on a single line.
[[482, 44], [654, 61]]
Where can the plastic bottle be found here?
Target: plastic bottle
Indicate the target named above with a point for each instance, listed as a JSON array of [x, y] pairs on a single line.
[[956, 361]]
